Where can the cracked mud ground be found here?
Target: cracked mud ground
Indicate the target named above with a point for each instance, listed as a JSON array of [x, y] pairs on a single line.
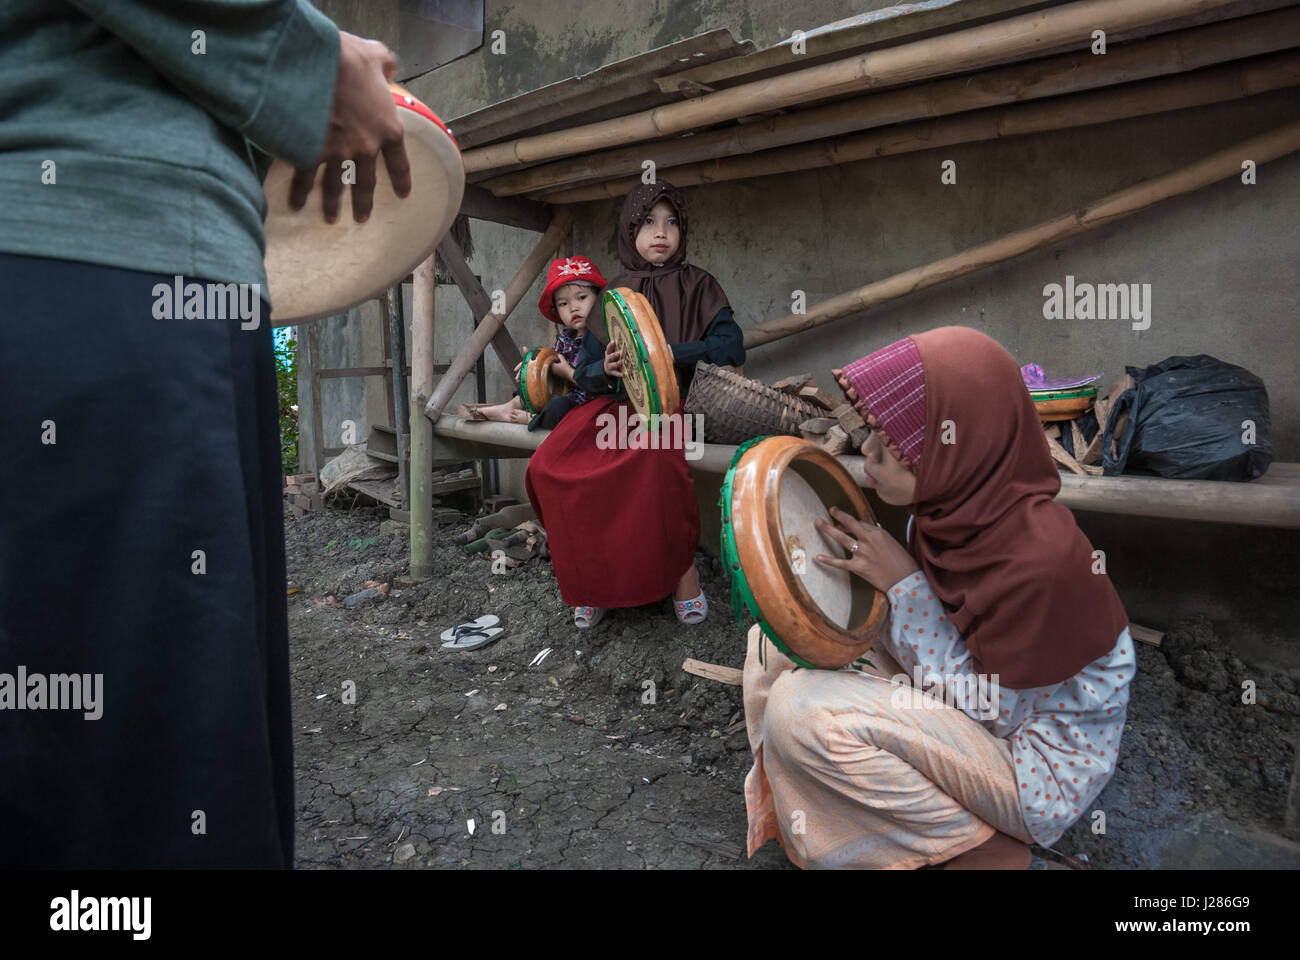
[[578, 771]]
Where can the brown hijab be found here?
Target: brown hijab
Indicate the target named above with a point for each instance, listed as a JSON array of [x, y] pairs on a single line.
[[683, 296], [1007, 560]]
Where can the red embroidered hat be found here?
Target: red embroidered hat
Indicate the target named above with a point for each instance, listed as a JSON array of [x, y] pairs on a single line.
[[888, 388], [561, 272]]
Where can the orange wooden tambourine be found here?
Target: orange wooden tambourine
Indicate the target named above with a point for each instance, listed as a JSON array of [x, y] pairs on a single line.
[[775, 490]]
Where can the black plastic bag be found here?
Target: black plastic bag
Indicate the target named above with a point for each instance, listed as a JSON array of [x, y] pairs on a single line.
[[1192, 418]]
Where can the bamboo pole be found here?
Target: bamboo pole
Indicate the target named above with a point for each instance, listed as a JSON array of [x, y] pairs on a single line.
[[423, 290], [483, 333], [1169, 53], [1213, 85], [1210, 169], [961, 50]]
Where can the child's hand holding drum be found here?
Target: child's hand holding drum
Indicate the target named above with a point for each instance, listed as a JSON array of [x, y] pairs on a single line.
[[613, 360]]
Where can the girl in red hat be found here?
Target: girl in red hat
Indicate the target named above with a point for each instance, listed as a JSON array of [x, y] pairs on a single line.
[[572, 292], [640, 523]]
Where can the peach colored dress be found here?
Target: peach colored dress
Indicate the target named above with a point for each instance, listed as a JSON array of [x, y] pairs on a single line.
[[885, 767]]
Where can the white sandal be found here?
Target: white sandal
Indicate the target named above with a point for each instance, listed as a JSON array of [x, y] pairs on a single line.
[[698, 608], [584, 618]]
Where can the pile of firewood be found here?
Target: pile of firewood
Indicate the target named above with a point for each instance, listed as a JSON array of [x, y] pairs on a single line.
[[842, 430], [1089, 462]]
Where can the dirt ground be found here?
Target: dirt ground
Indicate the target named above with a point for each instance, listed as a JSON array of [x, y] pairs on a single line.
[[566, 764]]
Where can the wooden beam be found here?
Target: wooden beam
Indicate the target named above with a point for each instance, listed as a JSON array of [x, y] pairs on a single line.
[[970, 49], [479, 204], [854, 34], [1211, 85], [1252, 504], [1217, 166], [480, 304], [421, 500], [485, 331], [1070, 73]]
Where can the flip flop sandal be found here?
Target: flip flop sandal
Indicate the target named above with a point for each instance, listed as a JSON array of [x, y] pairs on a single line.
[[697, 608], [482, 623], [584, 618], [473, 639]]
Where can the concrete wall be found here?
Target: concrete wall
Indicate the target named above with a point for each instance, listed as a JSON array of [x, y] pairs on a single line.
[[1222, 262]]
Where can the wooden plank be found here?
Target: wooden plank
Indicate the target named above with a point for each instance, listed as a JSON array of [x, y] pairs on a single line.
[[712, 671], [337, 372], [627, 79], [910, 21], [962, 50], [479, 204], [1146, 634], [1212, 501], [318, 429]]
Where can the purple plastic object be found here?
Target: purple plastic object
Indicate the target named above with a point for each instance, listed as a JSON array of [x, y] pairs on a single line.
[[1036, 380]]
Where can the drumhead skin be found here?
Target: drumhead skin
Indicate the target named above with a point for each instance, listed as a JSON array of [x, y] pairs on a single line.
[[818, 616], [651, 381], [315, 269], [537, 381]]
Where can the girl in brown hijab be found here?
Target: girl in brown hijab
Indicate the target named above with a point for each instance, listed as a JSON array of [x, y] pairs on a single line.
[[992, 715], [623, 524]]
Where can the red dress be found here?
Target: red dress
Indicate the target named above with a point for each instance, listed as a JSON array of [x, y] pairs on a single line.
[[622, 525]]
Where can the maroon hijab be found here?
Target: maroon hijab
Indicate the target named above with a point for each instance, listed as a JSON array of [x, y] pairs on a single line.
[[684, 297], [1007, 560]]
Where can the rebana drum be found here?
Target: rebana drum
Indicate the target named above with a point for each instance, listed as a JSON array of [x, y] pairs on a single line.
[[315, 269], [537, 381], [818, 616], [650, 381]]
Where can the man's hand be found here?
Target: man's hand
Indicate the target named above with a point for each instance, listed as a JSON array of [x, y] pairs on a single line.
[[879, 559], [363, 122], [613, 360]]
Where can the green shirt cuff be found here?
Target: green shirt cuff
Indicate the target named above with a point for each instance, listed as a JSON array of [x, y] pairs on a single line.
[[292, 119]]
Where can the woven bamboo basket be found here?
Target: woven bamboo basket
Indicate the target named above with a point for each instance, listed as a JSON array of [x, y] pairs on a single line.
[[737, 409]]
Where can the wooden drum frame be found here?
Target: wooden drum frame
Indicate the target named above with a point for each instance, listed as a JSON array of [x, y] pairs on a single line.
[[537, 381], [758, 553], [316, 269], [651, 381]]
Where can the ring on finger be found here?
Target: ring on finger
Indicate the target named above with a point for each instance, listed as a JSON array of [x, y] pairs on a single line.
[[854, 548]]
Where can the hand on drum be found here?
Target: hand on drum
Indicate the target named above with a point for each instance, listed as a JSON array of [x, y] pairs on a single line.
[[879, 559], [613, 360], [363, 122]]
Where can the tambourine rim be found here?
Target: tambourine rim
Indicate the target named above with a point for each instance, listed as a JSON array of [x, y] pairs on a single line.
[[802, 450], [438, 143], [666, 397], [771, 544]]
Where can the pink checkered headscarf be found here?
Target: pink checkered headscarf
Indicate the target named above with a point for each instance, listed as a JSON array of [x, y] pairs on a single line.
[[888, 388]]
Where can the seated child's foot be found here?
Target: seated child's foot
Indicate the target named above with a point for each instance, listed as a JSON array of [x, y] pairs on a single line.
[[689, 585], [501, 413]]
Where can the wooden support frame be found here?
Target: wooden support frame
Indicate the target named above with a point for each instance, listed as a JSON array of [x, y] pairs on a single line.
[[1217, 166], [479, 204], [1172, 53], [972, 48], [486, 330], [1211, 85]]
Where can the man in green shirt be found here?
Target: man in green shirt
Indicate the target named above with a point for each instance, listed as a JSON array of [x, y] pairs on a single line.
[[144, 683]]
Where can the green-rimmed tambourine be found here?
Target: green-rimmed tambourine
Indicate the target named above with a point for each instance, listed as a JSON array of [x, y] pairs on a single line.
[[650, 380]]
